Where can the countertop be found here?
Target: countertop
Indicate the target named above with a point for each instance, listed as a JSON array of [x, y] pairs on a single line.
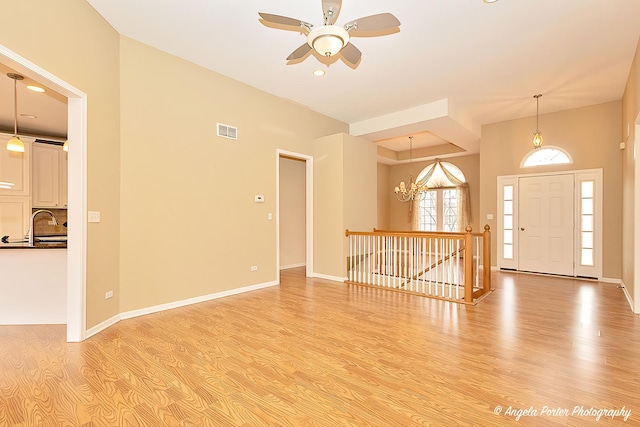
[[37, 245], [42, 242]]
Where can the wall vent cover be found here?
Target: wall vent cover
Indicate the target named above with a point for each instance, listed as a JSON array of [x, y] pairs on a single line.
[[227, 131]]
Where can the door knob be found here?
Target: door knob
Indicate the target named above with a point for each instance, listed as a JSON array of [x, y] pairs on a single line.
[[521, 228]]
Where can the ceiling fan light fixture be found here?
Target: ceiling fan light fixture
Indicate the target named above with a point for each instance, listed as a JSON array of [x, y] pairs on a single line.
[[328, 40]]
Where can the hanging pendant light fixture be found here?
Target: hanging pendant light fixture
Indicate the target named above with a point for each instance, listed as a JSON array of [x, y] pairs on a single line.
[[14, 144], [411, 190], [537, 136]]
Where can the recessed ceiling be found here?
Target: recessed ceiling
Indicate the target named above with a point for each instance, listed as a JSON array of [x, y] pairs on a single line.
[[425, 145]]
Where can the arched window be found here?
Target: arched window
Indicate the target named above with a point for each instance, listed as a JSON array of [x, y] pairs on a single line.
[[441, 208], [548, 155]]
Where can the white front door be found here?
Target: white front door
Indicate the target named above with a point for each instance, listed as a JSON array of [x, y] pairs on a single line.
[[546, 224]]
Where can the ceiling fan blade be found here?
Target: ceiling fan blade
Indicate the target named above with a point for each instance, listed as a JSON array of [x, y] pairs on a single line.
[[284, 20], [330, 10], [351, 54], [382, 21], [299, 52]]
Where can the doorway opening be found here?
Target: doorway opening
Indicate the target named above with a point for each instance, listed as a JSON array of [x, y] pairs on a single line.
[[77, 178], [294, 211]]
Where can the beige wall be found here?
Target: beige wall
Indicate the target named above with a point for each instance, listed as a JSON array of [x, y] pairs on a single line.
[[328, 205], [292, 212], [630, 118], [399, 211], [384, 197], [80, 48], [360, 191], [207, 231], [345, 197], [590, 134]]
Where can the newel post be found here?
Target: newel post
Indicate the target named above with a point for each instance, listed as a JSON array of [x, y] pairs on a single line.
[[468, 266], [486, 260]]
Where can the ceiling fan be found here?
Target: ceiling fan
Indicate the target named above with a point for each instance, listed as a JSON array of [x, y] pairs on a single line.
[[330, 39]]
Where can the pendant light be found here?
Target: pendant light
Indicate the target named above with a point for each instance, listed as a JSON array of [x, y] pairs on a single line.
[[537, 136], [14, 144], [65, 146]]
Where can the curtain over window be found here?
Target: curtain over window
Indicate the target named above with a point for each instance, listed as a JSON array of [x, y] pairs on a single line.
[[446, 205]]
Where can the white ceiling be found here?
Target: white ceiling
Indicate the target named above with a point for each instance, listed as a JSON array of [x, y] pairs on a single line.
[[453, 66], [49, 108]]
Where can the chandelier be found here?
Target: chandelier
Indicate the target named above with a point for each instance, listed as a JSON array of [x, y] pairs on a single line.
[[411, 190]]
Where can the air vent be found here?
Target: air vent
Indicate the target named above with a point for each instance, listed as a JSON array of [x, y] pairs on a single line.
[[47, 141], [227, 131]]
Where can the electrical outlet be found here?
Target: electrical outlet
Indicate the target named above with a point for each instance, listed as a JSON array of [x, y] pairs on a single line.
[[108, 294], [93, 216], [254, 268]]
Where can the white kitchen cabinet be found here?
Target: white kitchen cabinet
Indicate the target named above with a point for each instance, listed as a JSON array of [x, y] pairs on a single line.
[[15, 167], [49, 176], [15, 212]]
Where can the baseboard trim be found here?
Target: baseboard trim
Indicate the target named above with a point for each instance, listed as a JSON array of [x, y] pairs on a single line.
[[290, 266], [328, 277], [626, 294], [102, 326], [176, 304], [610, 280], [194, 300]]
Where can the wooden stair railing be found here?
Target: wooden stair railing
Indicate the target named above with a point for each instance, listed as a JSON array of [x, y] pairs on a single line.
[[398, 261]]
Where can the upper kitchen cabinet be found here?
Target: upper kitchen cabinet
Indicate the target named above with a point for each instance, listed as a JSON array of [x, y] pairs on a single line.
[[14, 168], [49, 176]]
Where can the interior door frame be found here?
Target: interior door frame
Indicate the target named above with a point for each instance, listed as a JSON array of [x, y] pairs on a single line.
[[594, 175], [308, 209], [77, 188]]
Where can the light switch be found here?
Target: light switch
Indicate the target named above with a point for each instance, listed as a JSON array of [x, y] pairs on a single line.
[[258, 198], [269, 216], [489, 216], [94, 216]]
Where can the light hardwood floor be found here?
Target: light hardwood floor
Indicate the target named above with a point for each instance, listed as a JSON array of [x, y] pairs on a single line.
[[317, 353]]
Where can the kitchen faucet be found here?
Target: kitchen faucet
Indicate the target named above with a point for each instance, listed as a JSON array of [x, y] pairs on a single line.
[[31, 232]]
